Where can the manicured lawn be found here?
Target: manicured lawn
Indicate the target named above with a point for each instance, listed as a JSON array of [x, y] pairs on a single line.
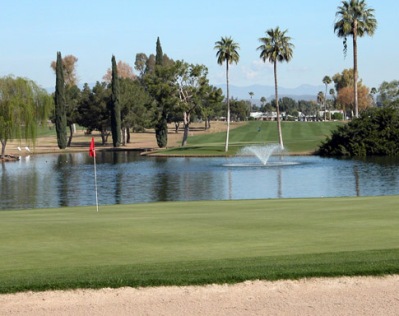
[[197, 242], [298, 137]]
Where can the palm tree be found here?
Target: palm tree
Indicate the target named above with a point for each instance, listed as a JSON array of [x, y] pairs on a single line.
[[326, 80], [354, 19], [227, 52], [251, 94], [276, 47]]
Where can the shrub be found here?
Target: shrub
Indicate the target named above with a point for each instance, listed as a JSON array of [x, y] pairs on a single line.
[[375, 132]]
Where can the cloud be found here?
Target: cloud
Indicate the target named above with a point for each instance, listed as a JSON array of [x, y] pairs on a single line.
[[255, 72]]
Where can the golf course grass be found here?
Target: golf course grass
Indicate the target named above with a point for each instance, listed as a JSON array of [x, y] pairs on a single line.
[[180, 243], [298, 137]]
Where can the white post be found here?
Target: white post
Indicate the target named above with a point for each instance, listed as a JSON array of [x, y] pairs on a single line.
[[95, 180]]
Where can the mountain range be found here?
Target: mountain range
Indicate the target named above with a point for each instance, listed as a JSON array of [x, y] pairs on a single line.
[[303, 92]]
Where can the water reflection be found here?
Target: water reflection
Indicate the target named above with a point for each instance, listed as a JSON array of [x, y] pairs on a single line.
[[126, 177]]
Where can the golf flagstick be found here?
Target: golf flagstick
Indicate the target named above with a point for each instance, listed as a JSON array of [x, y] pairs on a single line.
[[92, 153]]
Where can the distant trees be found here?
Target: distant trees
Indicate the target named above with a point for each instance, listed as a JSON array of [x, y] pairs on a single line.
[[192, 87], [239, 109], [389, 93], [69, 68], [212, 105], [125, 71], [355, 19], [345, 95], [23, 105], [93, 112], [227, 51], [135, 105], [276, 47]]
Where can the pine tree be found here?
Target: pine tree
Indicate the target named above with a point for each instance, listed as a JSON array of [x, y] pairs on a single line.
[[59, 99], [115, 107]]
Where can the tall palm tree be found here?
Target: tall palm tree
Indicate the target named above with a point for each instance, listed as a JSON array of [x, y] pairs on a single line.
[[251, 94], [276, 47], [227, 51], [354, 19], [326, 80]]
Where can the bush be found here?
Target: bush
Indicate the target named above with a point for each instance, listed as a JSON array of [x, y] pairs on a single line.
[[375, 132], [337, 116]]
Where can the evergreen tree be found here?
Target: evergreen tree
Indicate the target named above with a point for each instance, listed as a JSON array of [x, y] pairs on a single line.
[[59, 99], [161, 131], [161, 125], [115, 107], [159, 54]]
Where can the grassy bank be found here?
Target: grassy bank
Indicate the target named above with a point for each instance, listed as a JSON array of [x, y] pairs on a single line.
[[197, 242], [298, 137]]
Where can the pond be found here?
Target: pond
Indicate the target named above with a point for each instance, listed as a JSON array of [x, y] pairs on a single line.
[[123, 177]]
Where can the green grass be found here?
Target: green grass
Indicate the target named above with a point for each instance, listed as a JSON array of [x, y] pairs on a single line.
[[200, 242], [298, 137], [45, 130]]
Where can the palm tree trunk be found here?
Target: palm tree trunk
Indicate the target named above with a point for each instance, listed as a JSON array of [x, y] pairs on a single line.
[[355, 68], [325, 105], [280, 135], [226, 148]]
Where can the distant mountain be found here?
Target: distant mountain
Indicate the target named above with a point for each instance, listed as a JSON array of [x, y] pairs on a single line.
[[303, 92]]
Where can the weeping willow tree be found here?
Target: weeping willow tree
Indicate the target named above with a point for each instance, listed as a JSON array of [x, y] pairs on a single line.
[[23, 105]]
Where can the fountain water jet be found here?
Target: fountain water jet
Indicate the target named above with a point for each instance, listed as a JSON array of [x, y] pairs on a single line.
[[263, 153]]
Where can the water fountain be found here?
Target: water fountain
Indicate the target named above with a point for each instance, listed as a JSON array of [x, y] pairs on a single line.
[[263, 153]]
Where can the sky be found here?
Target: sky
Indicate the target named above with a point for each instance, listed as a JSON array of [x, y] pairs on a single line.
[[32, 31]]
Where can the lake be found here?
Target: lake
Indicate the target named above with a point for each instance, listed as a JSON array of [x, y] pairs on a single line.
[[124, 177]]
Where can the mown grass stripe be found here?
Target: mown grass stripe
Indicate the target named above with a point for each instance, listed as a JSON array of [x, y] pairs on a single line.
[[197, 242]]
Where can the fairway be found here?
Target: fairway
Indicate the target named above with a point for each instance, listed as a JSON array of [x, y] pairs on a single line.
[[197, 242], [298, 138]]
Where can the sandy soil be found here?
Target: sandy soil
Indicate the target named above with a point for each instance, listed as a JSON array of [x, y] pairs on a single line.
[[81, 142], [321, 296]]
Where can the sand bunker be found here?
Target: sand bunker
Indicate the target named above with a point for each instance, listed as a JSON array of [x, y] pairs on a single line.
[[318, 296]]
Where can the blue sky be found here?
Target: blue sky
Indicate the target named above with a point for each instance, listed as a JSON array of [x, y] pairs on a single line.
[[32, 31]]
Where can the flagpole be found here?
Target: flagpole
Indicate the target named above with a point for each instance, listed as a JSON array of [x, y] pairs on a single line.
[[95, 180], [92, 153]]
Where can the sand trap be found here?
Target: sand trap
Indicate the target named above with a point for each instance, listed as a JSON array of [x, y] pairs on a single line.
[[318, 296]]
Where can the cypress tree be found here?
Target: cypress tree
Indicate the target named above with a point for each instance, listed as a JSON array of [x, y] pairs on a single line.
[[161, 130], [115, 106], [59, 99], [159, 54], [161, 126]]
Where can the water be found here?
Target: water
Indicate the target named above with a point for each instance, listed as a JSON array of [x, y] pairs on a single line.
[[262, 152], [43, 181]]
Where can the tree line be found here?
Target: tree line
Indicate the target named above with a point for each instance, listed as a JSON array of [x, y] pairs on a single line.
[[166, 91]]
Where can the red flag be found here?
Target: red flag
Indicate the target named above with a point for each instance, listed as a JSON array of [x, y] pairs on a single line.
[[92, 150]]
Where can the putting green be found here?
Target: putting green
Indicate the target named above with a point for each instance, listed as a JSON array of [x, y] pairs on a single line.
[[68, 245]]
